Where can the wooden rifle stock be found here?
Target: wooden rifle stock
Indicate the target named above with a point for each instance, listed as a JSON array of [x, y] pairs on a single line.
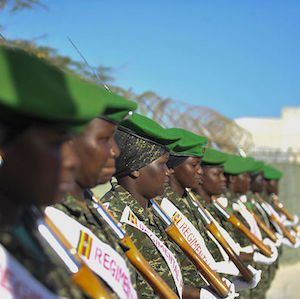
[[160, 287], [266, 250], [246, 231], [295, 229], [281, 208], [245, 272], [273, 218], [84, 278], [264, 227], [210, 275], [285, 231]]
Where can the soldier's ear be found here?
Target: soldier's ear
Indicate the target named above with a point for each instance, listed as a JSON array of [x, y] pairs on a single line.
[[135, 174]]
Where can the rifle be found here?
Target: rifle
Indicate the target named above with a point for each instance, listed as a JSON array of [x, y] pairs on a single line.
[[82, 276], [281, 208], [264, 227], [209, 275], [295, 229], [275, 220], [135, 257], [246, 273], [262, 224], [244, 229]]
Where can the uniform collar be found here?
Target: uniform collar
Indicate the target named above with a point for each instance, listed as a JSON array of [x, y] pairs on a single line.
[[128, 200]]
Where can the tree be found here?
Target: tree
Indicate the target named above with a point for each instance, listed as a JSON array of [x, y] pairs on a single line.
[[65, 63], [16, 5], [100, 74]]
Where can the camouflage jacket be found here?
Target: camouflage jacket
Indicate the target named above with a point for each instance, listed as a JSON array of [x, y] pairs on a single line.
[[185, 205], [27, 245], [118, 198], [85, 214]]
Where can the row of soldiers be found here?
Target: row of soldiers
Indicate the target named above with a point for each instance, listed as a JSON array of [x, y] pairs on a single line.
[[181, 220]]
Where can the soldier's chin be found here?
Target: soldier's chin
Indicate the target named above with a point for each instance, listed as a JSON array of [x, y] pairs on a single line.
[[195, 185], [158, 192], [106, 175]]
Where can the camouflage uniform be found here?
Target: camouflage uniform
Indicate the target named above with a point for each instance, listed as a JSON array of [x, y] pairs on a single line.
[[269, 271], [118, 198], [234, 233], [85, 214], [274, 267], [30, 249], [261, 289]]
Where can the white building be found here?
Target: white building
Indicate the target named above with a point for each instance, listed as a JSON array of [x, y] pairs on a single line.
[[275, 134]]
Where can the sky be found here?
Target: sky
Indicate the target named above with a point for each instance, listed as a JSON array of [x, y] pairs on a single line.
[[240, 58]]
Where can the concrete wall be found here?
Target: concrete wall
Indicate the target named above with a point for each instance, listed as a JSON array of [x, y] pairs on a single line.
[[276, 133]]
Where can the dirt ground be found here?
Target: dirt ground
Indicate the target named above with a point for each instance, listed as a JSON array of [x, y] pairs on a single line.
[[286, 284]]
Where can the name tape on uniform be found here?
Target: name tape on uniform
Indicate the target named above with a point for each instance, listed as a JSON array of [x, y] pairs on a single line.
[[16, 282], [130, 218], [188, 231], [99, 257]]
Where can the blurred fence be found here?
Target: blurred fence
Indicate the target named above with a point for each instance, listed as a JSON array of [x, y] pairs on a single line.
[[221, 131], [276, 155]]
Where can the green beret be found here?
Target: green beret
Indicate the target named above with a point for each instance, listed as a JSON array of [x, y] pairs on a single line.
[[189, 144], [235, 164], [271, 173], [147, 128], [258, 166], [32, 90], [214, 157], [118, 109]]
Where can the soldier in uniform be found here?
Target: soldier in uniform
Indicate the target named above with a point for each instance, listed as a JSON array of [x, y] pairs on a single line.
[[214, 184], [141, 174], [257, 186], [185, 161], [39, 110], [271, 183], [271, 179], [239, 186], [96, 151]]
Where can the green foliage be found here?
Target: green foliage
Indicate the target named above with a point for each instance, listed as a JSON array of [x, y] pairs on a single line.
[[64, 62], [17, 5]]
